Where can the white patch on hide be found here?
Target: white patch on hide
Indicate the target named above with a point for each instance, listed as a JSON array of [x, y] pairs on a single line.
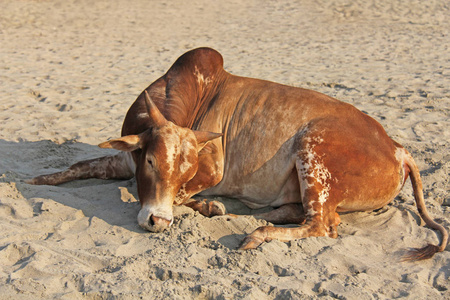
[[313, 168], [142, 115], [181, 195], [200, 78], [171, 142], [185, 164], [402, 156]]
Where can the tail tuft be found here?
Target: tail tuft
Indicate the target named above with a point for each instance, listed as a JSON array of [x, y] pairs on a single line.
[[416, 254]]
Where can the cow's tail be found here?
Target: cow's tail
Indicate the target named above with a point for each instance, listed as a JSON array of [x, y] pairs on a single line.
[[429, 250], [119, 166]]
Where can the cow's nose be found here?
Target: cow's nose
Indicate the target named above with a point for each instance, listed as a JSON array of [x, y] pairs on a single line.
[[158, 224]]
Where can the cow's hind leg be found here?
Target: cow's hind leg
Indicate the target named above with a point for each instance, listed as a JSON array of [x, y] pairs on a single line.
[[119, 166], [317, 200], [317, 223]]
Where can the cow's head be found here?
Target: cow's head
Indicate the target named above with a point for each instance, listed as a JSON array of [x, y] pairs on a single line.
[[167, 158]]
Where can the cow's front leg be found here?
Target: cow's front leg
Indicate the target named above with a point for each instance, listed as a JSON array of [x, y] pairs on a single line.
[[208, 209], [209, 174], [119, 166], [313, 227]]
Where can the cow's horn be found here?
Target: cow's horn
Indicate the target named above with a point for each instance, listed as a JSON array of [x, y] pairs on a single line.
[[156, 116]]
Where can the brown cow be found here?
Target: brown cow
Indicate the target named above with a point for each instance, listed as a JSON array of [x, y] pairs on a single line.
[[201, 130]]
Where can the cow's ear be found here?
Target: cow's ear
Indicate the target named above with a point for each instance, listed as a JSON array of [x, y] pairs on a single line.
[[126, 143], [203, 137]]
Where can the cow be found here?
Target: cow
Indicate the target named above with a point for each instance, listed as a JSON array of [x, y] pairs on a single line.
[[199, 130]]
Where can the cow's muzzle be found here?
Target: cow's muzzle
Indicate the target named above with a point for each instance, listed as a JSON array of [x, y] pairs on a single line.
[[152, 221]]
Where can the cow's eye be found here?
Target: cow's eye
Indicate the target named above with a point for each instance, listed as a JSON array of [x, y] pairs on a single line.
[[150, 162]]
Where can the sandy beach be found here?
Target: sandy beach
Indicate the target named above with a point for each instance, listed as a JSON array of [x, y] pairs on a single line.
[[70, 69]]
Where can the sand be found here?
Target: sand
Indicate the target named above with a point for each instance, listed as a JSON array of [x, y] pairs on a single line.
[[69, 70]]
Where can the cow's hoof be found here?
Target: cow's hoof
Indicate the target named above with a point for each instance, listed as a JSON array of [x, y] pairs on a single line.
[[35, 181], [216, 208], [250, 242]]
